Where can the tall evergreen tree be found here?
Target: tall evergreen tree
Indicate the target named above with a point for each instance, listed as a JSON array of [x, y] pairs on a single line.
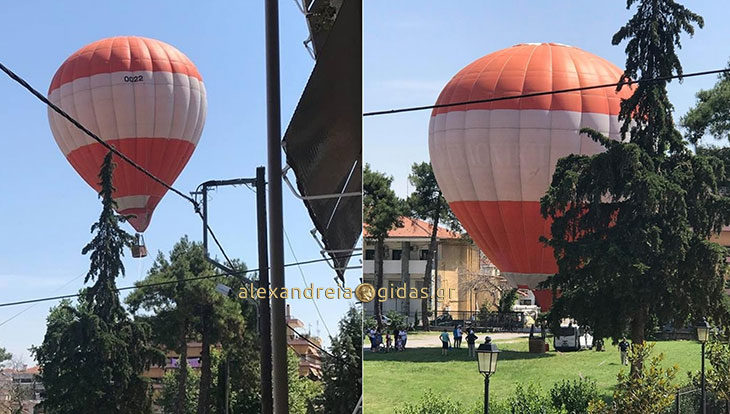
[[342, 372], [382, 212], [93, 354], [631, 225], [426, 202]]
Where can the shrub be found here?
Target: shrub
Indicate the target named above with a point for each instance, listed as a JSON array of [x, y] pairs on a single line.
[[654, 382], [397, 320], [431, 403], [369, 323], [574, 396], [507, 300]]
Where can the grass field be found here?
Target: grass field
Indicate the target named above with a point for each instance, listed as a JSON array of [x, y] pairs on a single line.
[[397, 377]]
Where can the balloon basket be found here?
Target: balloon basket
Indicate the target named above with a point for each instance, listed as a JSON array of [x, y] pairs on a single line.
[[139, 249]]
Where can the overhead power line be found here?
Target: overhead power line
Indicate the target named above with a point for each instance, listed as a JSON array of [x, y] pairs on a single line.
[[543, 93], [78, 125], [310, 342], [168, 282], [304, 279]]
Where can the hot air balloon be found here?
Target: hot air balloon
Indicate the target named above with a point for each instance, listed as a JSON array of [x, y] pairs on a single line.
[[494, 161], [140, 95]]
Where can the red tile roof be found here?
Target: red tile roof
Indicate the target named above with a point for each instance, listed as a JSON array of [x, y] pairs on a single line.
[[414, 228]]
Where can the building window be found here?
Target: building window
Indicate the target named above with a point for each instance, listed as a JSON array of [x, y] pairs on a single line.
[[369, 254], [424, 254], [397, 253]]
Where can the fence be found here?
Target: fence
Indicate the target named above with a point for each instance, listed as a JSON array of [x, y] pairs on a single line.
[[507, 321], [689, 401]]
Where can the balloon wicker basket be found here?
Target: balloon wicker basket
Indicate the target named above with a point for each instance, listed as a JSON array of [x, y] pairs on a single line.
[[138, 247]]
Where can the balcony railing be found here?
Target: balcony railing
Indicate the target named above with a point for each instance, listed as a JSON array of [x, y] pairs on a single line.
[[415, 267]]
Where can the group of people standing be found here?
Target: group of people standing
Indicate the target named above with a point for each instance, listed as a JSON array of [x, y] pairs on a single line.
[[396, 342], [458, 333]]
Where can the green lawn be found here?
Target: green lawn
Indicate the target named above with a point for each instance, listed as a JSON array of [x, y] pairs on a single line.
[[394, 378]]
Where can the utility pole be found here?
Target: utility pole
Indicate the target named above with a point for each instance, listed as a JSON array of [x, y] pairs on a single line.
[[276, 229], [264, 308]]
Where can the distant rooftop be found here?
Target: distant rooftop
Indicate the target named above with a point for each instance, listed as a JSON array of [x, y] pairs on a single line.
[[414, 228]]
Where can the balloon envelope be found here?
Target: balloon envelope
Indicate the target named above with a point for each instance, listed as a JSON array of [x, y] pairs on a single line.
[[140, 95], [494, 161]]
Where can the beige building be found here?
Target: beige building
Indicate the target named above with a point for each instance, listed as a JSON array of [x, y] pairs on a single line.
[[303, 344], [462, 276]]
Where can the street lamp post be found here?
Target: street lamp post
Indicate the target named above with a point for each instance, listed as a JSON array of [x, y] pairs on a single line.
[[703, 333], [487, 354]]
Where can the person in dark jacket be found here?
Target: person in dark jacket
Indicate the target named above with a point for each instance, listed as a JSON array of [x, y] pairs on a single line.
[[471, 339]]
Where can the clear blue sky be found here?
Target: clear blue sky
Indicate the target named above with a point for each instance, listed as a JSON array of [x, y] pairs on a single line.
[[411, 50], [46, 210]]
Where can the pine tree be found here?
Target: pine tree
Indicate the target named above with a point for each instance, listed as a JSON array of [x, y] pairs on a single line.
[[93, 354], [428, 203], [382, 212], [631, 225]]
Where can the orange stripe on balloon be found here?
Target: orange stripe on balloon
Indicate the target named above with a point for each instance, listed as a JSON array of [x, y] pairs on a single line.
[[123, 54], [529, 68], [508, 232], [154, 154]]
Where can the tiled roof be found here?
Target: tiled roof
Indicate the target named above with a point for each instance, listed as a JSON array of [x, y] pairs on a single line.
[[414, 228]]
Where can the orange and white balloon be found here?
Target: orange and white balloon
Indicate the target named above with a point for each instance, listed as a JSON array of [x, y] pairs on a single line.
[[140, 95], [494, 161]]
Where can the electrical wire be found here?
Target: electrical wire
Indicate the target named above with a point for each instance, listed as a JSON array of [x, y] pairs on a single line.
[[310, 342], [304, 279], [124, 157], [78, 125], [554, 92], [34, 304], [168, 282]]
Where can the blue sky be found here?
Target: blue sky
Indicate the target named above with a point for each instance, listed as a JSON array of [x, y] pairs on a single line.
[[411, 50], [46, 209]]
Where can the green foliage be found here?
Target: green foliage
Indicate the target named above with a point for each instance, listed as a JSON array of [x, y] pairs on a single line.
[[107, 249], [428, 203], [527, 400], [649, 389], [718, 376], [342, 372], [369, 323], [653, 35], [382, 212], [631, 225], [4, 356], [194, 310], [303, 392], [573, 397], [507, 300], [397, 320], [711, 113], [431, 403], [168, 397], [483, 315], [93, 354], [382, 209]]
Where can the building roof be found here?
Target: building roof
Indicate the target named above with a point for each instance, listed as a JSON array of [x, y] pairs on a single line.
[[415, 228]]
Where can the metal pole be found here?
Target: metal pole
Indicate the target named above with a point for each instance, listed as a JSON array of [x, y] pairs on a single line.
[[677, 403], [704, 403], [267, 405], [276, 229], [205, 218], [228, 384], [486, 394]]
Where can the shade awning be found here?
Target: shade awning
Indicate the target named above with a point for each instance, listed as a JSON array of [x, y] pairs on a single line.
[[323, 142]]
